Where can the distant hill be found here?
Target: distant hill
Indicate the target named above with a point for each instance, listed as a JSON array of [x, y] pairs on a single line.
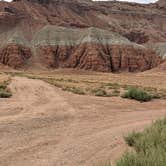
[[83, 34]]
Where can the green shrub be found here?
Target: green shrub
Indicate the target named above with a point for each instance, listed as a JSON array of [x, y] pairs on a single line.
[[150, 147], [137, 94], [4, 91], [131, 138], [5, 94], [3, 86], [155, 158]]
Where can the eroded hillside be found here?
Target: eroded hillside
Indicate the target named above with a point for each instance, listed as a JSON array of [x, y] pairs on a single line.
[[101, 36]]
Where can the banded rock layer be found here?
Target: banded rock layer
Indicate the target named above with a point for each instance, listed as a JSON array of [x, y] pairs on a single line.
[[99, 57], [15, 55], [100, 36], [89, 49]]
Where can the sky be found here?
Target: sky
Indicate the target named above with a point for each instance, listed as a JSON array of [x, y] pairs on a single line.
[[138, 1]]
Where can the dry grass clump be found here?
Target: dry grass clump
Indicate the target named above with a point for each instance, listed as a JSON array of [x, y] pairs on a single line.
[[75, 90], [4, 90]]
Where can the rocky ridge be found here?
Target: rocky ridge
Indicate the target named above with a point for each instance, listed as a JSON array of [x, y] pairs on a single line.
[[100, 36]]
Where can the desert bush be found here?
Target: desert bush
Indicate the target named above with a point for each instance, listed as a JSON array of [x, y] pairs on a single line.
[[4, 91], [131, 138], [137, 94], [78, 91], [155, 158], [99, 92], [115, 92], [149, 146], [3, 86], [113, 85], [74, 90], [5, 94]]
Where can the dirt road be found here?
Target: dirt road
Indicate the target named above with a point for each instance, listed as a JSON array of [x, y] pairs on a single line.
[[44, 126]]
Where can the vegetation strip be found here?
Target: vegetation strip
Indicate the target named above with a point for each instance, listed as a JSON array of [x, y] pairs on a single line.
[[100, 89]]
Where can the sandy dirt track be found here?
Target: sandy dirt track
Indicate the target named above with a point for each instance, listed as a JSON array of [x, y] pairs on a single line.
[[44, 126]]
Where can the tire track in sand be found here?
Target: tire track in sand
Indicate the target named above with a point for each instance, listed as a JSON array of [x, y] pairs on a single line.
[[44, 126]]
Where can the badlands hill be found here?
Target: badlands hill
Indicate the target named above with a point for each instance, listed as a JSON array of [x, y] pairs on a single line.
[[83, 34]]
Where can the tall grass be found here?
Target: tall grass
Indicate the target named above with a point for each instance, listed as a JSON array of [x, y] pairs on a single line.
[[149, 146]]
